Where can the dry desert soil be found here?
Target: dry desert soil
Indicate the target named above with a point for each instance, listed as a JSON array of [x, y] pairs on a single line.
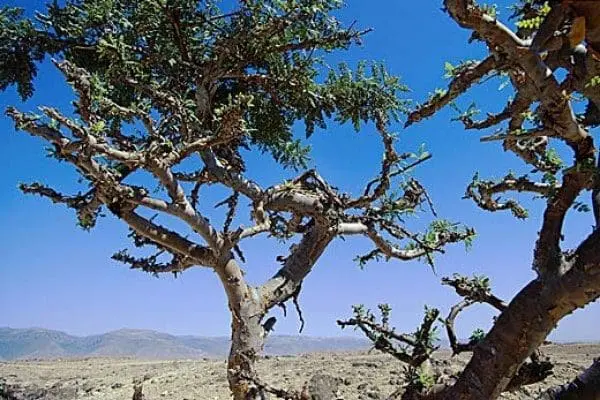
[[362, 375]]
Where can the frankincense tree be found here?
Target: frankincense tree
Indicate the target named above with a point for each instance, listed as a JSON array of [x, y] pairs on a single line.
[[175, 92], [547, 109]]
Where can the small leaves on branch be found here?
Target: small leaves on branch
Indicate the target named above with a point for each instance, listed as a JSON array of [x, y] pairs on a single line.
[[416, 349], [413, 349], [152, 264], [483, 192]]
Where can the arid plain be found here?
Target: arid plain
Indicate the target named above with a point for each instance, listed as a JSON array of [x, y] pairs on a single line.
[[362, 375]]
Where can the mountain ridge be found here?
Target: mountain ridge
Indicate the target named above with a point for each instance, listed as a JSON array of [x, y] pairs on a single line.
[[41, 343]]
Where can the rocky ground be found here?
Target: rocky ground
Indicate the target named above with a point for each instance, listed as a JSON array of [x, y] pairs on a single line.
[[362, 375]]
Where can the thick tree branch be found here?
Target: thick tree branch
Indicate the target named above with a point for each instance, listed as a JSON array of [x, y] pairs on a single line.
[[547, 252], [284, 284], [555, 106], [170, 240], [286, 197], [182, 207]]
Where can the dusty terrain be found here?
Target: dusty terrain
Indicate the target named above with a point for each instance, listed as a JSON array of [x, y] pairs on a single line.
[[363, 376]]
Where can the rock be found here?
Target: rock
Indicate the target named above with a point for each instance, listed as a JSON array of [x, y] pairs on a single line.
[[373, 394], [365, 364], [32, 392], [322, 387], [395, 381], [87, 387]]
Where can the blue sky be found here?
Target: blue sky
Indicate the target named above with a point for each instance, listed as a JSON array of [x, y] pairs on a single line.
[[54, 275]]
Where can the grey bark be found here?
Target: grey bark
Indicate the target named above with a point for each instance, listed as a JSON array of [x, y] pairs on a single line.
[[249, 305], [247, 341]]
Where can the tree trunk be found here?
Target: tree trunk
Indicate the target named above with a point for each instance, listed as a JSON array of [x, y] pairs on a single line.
[[247, 341], [247, 333], [527, 321], [249, 305], [521, 329], [585, 387]]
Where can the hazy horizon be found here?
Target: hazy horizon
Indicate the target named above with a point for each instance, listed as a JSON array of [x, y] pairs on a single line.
[[343, 334]]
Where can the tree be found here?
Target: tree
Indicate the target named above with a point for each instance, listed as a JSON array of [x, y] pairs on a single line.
[[540, 112], [174, 94]]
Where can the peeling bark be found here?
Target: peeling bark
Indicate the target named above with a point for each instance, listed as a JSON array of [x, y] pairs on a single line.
[[286, 282], [247, 341], [249, 305], [247, 333]]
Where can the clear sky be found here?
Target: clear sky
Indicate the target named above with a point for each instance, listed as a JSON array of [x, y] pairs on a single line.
[[54, 275]]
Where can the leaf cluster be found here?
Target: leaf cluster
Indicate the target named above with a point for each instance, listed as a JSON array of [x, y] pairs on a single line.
[[192, 63]]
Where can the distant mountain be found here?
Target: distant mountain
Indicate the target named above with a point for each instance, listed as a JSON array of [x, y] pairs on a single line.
[[43, 343]]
